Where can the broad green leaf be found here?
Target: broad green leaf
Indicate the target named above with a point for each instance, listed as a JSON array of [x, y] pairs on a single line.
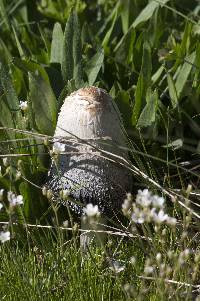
[[185, 43], [57, 44], [155, 30], [184, 73], [157, 74], [123, 103], [125, 7], [29, 66], [114, 90], [148, 114], [124, 50], [18, 83], [172, 91], [43, 38], [94, 65], [10, 114], [86, 34], [7, 85], [72, 47], [143, 83], [108, 19], [33, 201], [50, 10], [43, 103], [176, 144], [6, 119], [11, 98], [4, 52], [55, 79], [24, 13], [148, 11]]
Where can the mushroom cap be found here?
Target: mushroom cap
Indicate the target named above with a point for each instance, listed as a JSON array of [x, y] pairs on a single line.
[[89, 113]]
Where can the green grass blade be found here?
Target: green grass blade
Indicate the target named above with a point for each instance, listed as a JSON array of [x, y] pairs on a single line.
[[6, 82], [43, 103], [72, 51], [109, 32], [57, 44], [94, 65], [184, 73], [172, 91], [6, 118], [143, 83], [148, 115], [29, 66], [124, 49], [19, 46], [147, 12], [4, 15]]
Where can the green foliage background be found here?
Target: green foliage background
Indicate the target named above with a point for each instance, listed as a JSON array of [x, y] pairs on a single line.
[[145, 53]]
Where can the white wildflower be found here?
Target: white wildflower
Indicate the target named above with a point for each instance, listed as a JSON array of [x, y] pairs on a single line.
[[4, 236], [138, 216], [23, 105], [148, 270], [171, 221], [90, 210], [160, 217], [49, 194], [157, 201], [44, 190], [126, 205], [58, 147], [66, 224], [138, 219], [147, 208], [116, 266], [184, 235], [14, 199], [185, 253], [158, 257], [18, 175], [130, 290], [170, 254], [1, 206], [144, 198], [5, 162], [64, 194], [129, 196], [133, 260], [1, 194]]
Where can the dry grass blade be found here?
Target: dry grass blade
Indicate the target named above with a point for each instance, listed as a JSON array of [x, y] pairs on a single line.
[[170, 281], [112, 233]]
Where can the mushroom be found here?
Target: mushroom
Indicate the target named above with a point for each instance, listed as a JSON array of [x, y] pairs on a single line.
[[91, 128]]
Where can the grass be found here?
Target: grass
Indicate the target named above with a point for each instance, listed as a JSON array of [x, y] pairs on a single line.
[[46, 263], [146, 54], [55, 270]]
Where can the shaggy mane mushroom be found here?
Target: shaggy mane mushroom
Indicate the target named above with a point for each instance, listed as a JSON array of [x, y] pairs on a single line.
[[88, 123]]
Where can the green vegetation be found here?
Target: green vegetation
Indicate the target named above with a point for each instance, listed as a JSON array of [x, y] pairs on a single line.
[[146, 54]]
